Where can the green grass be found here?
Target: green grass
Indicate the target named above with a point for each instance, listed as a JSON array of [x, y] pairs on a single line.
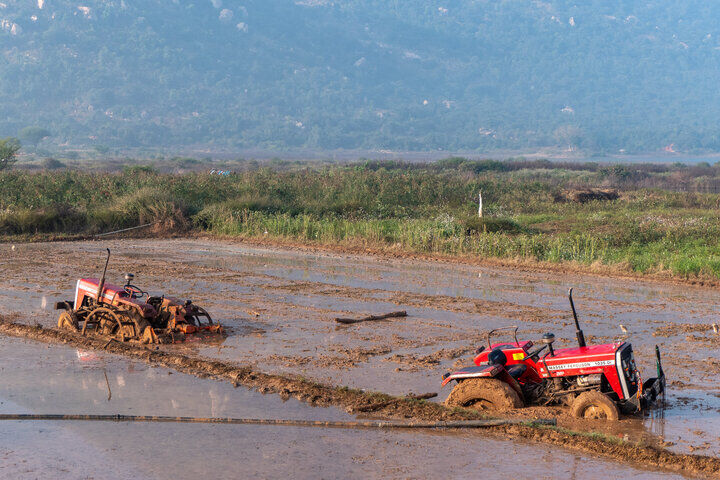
[[411, 208], [595, 436]]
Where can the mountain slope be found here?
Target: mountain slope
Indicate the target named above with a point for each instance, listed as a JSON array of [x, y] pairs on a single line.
[[412, 75]]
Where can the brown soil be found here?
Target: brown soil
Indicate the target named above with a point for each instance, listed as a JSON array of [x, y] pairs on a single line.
[[415, 362], [584, 195], [526, 265], [391, 251], [453, 304], [399, 408], [678, 328]]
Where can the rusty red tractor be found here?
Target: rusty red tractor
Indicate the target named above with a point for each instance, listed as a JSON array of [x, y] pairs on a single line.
[[128, 313], [596, 381]]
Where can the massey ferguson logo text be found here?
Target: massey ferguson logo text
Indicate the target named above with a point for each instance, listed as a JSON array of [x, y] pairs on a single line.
[[566, 366]]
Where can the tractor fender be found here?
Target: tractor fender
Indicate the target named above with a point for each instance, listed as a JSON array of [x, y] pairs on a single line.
[[68, 305], [473, 371], [507, 378]]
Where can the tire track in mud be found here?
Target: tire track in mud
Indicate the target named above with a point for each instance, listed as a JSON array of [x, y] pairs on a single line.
[[352, 400]]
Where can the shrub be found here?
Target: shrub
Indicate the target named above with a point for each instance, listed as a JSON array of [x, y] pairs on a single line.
[[52, 164]]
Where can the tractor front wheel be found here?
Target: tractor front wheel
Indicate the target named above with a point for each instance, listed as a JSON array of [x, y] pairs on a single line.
[[484, 394], [68, 321], [595, 405]]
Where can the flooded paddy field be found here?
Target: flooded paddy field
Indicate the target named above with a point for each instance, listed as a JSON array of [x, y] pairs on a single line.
[[280, 305], [38, 378]]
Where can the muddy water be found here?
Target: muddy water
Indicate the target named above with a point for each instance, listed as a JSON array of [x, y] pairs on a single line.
[[62, 379], [280, 305]]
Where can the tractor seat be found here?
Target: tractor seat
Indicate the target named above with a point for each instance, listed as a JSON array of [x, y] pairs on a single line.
[[516, 371]]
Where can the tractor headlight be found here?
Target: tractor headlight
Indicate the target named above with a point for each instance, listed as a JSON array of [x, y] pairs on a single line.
[[629, 369]]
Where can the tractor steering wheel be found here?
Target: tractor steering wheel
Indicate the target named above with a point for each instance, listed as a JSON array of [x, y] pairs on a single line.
[[134, 291], [535, 353]]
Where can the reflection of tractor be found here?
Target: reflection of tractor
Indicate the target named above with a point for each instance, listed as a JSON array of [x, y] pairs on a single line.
[[129, 313], [596, 381]]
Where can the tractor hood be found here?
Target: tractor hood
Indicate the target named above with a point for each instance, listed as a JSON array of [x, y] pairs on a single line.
[[580, 360]]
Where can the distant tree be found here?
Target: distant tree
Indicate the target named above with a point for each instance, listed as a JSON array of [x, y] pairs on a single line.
[[569, 135], [33, 135], [52, 164], [8, 149]]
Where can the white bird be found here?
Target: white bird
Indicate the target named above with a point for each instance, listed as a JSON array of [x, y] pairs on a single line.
[[12, 248], [715, 327], [623, 328]]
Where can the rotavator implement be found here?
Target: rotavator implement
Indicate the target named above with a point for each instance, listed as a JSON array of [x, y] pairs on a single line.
[[596, 381], [129, 313]]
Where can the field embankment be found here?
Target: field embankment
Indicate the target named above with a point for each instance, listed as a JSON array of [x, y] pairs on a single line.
[[534, 211]]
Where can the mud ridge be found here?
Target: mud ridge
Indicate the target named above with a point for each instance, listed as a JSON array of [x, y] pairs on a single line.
[[353, 400]]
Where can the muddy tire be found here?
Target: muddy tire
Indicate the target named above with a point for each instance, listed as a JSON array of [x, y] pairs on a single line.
[[595, 405], [484, 394], [68, 321], [149, 336]]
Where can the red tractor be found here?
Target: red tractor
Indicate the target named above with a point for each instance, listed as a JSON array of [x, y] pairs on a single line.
[[129, 313], [597, 381]]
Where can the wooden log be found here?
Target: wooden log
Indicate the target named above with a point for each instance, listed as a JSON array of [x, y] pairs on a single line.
[[371, 318], [421, 396]]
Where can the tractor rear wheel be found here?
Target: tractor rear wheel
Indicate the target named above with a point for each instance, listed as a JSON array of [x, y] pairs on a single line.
[[484, 394], [595, 405]]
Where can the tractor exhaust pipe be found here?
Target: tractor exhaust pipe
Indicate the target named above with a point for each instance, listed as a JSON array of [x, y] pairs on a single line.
[[101, 285], [578, 332]]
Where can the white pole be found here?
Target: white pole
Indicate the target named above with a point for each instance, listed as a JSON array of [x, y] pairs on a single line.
[[480, 204]]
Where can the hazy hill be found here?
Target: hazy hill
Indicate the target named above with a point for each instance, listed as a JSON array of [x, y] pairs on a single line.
[[410, 74]]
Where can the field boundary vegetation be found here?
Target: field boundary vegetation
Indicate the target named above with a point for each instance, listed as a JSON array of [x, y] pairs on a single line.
[[658, 220]]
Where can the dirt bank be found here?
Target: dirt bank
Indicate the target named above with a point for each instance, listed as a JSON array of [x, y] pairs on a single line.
[[390, 407]]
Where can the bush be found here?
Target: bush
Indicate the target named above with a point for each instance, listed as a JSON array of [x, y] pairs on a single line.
[[52, 164], [147, 205], [61, 218]]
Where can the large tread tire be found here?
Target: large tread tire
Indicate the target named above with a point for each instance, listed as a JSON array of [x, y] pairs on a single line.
[[484, 394], [68, 321], [595, 405]]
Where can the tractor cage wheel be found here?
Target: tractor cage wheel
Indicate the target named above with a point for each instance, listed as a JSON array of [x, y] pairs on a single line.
[[196, 312], [94, 317]]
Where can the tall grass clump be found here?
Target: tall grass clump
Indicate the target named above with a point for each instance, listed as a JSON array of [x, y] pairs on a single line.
[[424, 208]]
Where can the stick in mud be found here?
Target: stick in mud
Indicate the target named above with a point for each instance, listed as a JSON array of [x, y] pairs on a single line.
[[107, 382], [371, 318], [126, 229]]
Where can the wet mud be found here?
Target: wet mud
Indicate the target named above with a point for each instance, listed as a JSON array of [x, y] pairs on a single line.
[[280, 305], [354, 401], [77, 380]]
